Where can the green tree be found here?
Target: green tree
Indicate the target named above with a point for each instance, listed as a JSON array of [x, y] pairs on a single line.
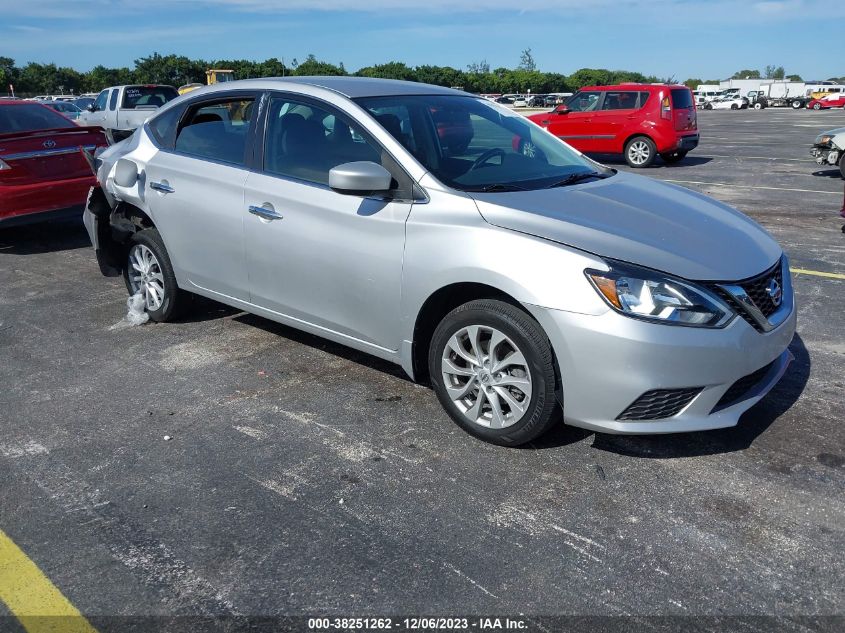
[[174, 70], [775, 72], [8, 73], [313, 66], [692, 83], [590, 77], [794, 78], [526, 61], [746, 74], [390, 70]]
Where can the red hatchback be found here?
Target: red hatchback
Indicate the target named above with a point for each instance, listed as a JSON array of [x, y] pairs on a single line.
[[43, 171], [639, 121]]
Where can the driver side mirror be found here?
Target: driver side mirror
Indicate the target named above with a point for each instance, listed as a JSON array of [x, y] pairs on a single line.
[[91, 107], [562, 109]]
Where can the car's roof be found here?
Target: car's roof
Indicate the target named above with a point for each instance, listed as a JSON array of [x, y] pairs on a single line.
[[352, 87], [634, 86]]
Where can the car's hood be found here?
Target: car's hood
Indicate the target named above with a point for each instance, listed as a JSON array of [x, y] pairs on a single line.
[[641, 221], [834, 132]]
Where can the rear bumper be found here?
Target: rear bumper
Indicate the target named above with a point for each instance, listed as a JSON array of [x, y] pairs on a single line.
[[687, 143], [34, 199]]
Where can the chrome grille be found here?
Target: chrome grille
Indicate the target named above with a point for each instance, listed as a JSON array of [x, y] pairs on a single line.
[[757, 290]]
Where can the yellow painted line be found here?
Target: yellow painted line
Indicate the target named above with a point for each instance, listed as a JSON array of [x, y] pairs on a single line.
[[817, 273], [35, 601]]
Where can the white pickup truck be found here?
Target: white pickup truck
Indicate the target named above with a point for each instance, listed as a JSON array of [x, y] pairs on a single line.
[[119, 110]]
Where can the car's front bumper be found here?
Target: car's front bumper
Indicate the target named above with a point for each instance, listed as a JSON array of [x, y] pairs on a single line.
[[826, 154], [607, 362]]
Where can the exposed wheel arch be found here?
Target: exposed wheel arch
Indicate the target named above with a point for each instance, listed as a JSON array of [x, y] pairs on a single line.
[[443, 301]]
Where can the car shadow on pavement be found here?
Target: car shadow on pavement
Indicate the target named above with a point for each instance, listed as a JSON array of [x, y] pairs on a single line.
[[689, 161], [751, 425], [44, 237], [316, 342], [828, 173]]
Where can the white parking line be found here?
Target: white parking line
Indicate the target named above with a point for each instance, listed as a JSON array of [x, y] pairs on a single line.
[[737, 186]]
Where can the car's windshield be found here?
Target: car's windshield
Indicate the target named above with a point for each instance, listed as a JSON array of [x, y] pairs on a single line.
[[472, 145]]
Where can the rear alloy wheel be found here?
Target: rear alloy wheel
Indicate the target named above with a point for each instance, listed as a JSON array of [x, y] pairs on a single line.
[[492, 369], [640, 151], [672, 158], [148, 271]]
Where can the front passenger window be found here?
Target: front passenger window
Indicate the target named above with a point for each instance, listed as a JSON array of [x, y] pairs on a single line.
[[216, 130]]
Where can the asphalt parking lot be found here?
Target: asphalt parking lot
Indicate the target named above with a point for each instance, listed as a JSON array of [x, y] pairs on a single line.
[[302, 478]]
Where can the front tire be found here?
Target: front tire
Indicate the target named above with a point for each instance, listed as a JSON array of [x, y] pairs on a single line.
[[758, 106], [796, 105], [640, 151], [148, 270], [817, 106], [493, 371]]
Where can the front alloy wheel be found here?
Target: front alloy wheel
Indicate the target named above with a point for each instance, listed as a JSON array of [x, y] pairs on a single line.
[[492, 368], [486, 376]]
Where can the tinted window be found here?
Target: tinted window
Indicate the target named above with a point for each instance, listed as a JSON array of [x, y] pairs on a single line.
[[473, 145], [22, 118], [164, 125], [113, 99], [644, 98], [305, 141], [682, 98], [617, 100], [216, 130], [584, 101], [102, 99], [147, 96]]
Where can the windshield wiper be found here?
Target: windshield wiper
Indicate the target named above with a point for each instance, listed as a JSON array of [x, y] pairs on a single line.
[[500, 187], [571, 179]]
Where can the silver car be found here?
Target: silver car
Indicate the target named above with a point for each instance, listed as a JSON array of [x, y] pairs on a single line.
[[400, 219]]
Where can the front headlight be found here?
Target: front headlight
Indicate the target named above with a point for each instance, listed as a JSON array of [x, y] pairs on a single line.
[[644, 294], [823, 139]]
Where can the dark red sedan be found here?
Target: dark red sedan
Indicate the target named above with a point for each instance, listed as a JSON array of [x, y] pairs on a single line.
[[43, 171]]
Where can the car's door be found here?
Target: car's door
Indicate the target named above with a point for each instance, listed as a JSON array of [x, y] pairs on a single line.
[[574, 123], [195, 189], [111, 113], [314, 255], [619, 111], [97, 116]]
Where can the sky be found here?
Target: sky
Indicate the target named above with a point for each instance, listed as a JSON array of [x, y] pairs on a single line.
[[667, 38]]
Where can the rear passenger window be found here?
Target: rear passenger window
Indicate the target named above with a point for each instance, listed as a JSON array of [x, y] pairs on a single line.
[[305, 142], [644, 98], [216, 130], [620, 100], [113, 98]]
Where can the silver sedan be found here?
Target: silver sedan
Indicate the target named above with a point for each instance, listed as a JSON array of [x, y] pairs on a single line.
[[402, 220]]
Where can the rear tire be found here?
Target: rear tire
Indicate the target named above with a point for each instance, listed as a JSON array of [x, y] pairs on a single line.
[[640, 152], [507, 404], [734, 106], [796, 105], [708, 106], [672, 158], [758, 106], [842, 167], [148, 270]]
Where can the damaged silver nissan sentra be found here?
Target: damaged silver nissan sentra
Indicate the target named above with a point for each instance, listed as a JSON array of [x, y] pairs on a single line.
[[399, 219]]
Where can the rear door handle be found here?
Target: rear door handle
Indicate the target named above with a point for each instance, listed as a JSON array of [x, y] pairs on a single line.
[[265, 213], [163, 188]]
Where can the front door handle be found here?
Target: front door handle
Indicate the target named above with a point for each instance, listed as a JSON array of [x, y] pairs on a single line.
[[265, 213], [162, 187]]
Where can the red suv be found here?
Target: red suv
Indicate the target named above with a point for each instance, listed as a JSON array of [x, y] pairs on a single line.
[[639, 121]]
